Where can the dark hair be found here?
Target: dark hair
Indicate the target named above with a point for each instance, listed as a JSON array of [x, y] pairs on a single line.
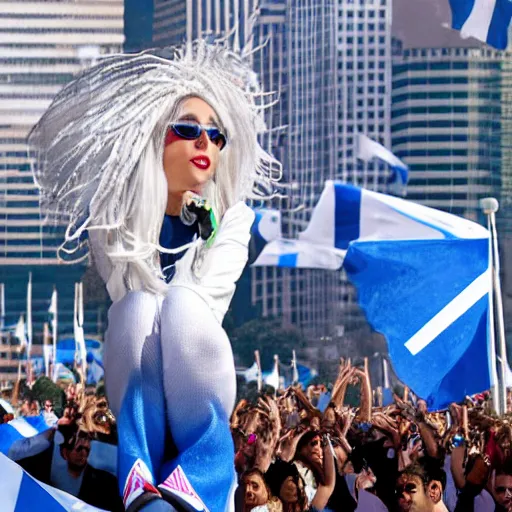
[[306, 439], [278, 472], [416, 470], [71, 434], [505, 468]]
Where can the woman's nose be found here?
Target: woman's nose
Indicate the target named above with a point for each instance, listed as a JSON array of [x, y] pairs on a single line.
[[202, 140]]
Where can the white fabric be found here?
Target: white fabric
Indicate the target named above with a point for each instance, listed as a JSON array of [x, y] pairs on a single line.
[[369, 149], [214, 279], [479, 21]]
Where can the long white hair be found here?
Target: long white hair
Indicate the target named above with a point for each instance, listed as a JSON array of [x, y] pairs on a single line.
[[99, 153]]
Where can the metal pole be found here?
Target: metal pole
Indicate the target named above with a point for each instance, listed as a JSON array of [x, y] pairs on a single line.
[[487, 207], [499, 315]]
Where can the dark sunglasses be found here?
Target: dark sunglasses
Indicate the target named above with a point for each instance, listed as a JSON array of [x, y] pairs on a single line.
[[192, 131], [503, 490], [408, 488]]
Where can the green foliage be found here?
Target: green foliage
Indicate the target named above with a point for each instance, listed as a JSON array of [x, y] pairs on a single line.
[[270, 337], [45, 389]]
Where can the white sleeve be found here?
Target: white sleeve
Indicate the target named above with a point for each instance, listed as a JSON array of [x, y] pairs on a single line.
[[213, 272]]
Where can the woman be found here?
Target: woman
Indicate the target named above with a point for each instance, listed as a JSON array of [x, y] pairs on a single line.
[[121, 152]]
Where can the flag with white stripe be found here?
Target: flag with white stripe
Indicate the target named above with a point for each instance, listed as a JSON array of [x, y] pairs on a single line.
[[422, 277], [21, 493], [20, 428], [486, 20]]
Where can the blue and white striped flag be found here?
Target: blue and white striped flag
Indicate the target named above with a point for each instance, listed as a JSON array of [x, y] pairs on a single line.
[[368, 149], [21, 493], [422, 277], [486, 20], [20, 428]]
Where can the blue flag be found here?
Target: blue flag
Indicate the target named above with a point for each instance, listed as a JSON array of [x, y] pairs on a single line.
[[486, 20], [422, 277]]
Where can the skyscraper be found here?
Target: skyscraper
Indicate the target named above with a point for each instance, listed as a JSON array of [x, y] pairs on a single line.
[[331, 61], [452, 124], [43, 44], [177, 21]]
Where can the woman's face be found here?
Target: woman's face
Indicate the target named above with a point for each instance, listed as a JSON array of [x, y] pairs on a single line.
[[190, 164], [289, 492]]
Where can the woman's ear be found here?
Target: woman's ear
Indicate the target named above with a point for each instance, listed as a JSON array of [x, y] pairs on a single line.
[[434, 490]]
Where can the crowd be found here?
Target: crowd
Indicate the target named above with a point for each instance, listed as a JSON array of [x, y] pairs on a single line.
[[293, 457], [297, 451], [75, 451]]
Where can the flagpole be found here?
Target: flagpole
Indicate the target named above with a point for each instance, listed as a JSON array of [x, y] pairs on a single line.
[[54, 327], [499, 311], [258, 363], [46, 359], [489, 207], [29, 316]]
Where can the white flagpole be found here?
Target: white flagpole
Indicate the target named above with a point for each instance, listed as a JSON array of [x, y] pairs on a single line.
[[75, 323], [54, 306], [46, 359], [258, 362], [295, 372], [385, 372], [29, 316], [502, 347], [490, 205], [83, 351]]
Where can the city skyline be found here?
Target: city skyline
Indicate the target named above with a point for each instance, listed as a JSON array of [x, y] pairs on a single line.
[[331, 62]]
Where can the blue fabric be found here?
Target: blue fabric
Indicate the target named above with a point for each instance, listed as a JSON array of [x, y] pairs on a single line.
[[208, 460], [8, 434], [174, 234], [288, 260], [500, 22], [347, 215], [497, 35], [461, 9], [31, 494], [402, 285]]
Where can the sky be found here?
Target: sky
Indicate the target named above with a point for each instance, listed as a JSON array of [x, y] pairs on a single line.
[[426, 24]]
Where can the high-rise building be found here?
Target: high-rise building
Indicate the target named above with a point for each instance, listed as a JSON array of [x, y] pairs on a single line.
[[330, 61], [178, 21], [452, 125], [332, 64], [43, 45]]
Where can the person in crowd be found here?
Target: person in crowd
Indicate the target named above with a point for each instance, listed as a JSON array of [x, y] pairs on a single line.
[[257, 494], [48, 414], [417, 491], [66, 467]]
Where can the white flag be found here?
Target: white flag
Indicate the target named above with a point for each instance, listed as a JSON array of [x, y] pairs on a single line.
[[272, 378], [20, 332], [53, 303]]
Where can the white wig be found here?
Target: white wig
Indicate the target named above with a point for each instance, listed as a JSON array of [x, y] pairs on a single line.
[[99, 152]]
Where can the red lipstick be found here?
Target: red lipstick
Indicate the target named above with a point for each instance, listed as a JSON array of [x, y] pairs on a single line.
[[201, 162]]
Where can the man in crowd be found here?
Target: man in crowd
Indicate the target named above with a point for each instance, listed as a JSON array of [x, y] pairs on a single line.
[[417, 491], [66, 467]]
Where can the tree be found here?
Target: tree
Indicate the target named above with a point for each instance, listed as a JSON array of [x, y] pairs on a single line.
[[269, 336]]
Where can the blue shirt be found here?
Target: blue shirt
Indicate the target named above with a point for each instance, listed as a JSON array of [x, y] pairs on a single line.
[[174, 234]]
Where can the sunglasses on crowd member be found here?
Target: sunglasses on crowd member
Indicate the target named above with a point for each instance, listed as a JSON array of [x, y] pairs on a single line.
[[503, 490], [192, 131], [409, 488]]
